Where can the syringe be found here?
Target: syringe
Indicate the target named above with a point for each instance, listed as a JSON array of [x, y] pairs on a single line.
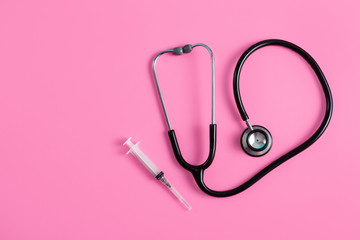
[[155, 171]]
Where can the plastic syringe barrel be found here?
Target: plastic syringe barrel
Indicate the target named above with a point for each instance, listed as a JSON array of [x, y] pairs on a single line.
[[145, 160]]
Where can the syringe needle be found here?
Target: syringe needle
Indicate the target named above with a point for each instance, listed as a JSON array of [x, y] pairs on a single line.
[[175, 192], [181, 199]]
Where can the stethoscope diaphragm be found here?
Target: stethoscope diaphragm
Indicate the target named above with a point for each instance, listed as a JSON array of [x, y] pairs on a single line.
[[256, 141]]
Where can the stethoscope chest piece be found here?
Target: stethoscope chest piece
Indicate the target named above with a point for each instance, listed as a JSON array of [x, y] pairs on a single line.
[[256, 141]]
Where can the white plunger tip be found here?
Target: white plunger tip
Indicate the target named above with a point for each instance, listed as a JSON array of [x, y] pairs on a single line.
[[127, 142]]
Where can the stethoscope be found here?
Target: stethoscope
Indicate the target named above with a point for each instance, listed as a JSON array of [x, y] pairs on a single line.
[[256, 140]]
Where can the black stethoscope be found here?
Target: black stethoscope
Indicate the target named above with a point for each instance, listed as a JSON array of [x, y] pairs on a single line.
[[255, 140]]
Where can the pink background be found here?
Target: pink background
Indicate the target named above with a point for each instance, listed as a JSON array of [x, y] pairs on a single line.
[[76, 81]]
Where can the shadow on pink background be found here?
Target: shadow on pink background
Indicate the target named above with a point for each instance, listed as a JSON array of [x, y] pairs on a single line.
[[76, 82]]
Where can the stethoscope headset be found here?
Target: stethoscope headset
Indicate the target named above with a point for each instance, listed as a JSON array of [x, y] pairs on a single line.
[[256, 140]]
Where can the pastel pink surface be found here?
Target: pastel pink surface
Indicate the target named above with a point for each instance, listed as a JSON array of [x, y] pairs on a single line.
[[76, 82]]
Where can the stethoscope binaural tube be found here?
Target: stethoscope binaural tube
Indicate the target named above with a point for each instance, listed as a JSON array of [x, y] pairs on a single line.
[[198, 171], [174, 143]]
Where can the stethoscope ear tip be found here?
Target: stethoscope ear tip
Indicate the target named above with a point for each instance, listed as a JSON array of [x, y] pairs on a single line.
[[180, 50]]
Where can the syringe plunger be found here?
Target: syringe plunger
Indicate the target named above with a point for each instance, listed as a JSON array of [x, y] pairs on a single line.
[[145, 160]]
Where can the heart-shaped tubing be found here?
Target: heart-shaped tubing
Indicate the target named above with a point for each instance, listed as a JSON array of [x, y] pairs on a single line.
[[198, 171]]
